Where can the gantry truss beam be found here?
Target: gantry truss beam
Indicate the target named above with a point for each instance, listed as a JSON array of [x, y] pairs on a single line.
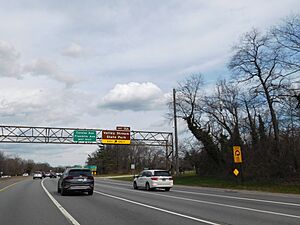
[[54, 135]]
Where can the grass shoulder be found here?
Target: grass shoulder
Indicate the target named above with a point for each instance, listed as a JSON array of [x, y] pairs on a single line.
[[292, 187]]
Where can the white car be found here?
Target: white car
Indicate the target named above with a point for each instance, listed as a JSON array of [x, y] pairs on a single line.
[[151, 179], [38, 175]]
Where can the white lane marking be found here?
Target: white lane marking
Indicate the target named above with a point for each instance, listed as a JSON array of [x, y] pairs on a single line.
[[226, 196], [158, 209], [240, 198], [62, 210], [215, 203]]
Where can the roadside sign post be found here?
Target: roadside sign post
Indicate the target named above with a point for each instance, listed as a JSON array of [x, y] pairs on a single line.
[[93, 169], [237, 158], [132, 167]]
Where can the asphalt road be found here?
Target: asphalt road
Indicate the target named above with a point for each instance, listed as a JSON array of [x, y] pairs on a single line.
[[30, 202]]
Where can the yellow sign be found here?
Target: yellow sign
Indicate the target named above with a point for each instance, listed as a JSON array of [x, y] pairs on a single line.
[[236, 172], [117, 142], [237, 154]]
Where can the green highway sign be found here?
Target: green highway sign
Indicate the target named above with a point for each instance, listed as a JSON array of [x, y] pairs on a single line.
[[91, 167], [84, 136]]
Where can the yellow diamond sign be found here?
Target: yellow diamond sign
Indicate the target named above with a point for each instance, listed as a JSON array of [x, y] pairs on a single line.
[[236, 172]]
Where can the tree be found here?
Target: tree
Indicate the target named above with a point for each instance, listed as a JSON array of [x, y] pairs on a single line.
[[189, 102], [257, 61]]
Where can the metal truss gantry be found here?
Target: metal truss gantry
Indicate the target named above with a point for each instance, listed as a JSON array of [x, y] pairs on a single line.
[[54, 135]]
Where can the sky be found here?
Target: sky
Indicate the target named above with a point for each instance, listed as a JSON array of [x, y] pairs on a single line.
[[100, 64]]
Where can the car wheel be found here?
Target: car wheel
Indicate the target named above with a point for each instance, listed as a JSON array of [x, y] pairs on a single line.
[[135, 186], [148, 187], [63, 191], [58, 190], [167, 189], [90, 192]]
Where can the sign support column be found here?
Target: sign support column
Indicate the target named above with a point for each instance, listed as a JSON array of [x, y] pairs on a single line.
[[237, 157]]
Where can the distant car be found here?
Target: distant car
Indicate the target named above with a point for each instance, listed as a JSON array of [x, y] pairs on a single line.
[[25, 175], [47, 174], [151, 179], [76, 179], [38, 175], [59, 174], [52, 175]]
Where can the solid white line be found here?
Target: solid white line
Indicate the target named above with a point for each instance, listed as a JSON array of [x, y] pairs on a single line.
[[62, 210], [239, 198], [215, 203], [158, 209], [227, 196]]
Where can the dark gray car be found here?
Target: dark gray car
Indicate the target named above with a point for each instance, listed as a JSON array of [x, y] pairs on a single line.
[[76, 179]]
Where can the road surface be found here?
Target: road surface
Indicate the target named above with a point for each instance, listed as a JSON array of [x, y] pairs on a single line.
[[36, 202]]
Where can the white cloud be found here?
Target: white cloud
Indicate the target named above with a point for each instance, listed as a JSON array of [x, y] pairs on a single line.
[[43, 67], [9, 60], [75, 51], [134, 96], [157, 41]]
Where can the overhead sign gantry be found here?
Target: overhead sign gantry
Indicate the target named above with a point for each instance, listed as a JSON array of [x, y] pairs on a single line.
[[55, 135]]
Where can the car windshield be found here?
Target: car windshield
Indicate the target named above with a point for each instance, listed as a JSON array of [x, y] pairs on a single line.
[[77, 173], [37, 172], [161, 173]]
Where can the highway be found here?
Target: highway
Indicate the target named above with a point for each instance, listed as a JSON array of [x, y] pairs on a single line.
[[35, 202]]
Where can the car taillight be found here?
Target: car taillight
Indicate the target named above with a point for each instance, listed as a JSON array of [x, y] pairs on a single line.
[[154, 178], [90, 177], [68, 178]]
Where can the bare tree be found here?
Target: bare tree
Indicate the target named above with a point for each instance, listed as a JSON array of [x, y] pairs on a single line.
[[189, 102], [257, 61]]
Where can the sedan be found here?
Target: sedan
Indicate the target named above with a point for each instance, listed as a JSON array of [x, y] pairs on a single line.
[[37, 175]]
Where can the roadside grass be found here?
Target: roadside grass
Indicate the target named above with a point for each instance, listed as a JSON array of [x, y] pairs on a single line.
[[191, 179], [267, 186]]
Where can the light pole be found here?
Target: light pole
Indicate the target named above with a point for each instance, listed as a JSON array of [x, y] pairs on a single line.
[[175, 133]]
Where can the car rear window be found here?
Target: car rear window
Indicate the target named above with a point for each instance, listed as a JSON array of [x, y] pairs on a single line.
[[37, 172], [77, 173], [161, 173]]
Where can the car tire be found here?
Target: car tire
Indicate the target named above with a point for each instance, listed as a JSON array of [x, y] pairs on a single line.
[[148, 187], [135, 186], [63, 192], [167, 189], [90, 192], [58, 190]]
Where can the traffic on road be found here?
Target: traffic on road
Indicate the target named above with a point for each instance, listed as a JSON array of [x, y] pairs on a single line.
[[27, 201]]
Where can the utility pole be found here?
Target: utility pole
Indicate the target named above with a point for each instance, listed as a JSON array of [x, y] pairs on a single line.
[[175, 134]]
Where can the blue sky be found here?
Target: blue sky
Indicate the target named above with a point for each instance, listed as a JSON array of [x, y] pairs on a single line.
[[98, 64]]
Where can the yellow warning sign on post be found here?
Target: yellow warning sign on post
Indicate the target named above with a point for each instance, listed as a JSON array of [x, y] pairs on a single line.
[[237, 154], [236, 172]]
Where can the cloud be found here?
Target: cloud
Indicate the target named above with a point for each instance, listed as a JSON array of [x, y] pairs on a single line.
[[9, 60], [134, 96], [74, 51], [41, 67]]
